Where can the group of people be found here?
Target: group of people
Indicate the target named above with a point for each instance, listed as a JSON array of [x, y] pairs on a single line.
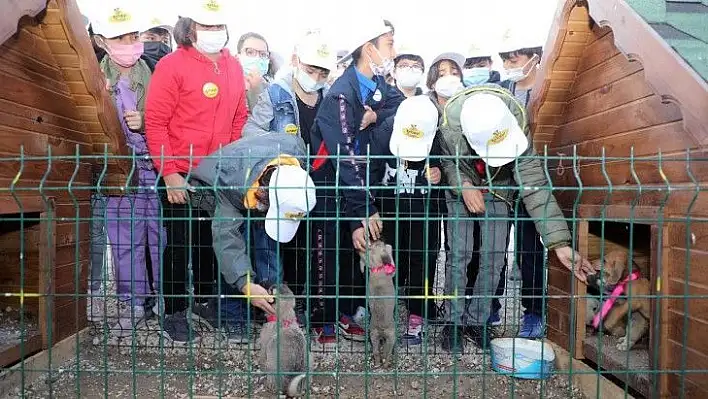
[[233, 154]]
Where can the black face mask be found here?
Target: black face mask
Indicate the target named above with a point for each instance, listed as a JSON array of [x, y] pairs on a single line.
[[156, 50]]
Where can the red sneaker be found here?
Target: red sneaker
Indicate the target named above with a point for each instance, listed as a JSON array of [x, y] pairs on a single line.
[[326, 335], [351, 330]]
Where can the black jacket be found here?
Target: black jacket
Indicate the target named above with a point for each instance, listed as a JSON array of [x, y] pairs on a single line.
[[336, 128]]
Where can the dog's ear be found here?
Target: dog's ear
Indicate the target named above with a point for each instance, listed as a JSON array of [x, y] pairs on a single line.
[[389, 250]]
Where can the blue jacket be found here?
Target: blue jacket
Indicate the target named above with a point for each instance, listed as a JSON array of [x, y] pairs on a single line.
[[336, 129]]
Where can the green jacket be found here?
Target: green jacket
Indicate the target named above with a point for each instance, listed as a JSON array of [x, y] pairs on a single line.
[[526, 171], [140, 75]]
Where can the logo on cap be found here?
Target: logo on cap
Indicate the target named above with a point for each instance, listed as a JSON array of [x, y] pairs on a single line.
[[498, 136], [323, 51], [212, 5], [156, 21], [119, 16], [294, 215], [413, 132]]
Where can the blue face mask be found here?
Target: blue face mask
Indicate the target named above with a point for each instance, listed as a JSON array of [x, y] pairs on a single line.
[[257, 63], [475, 76]]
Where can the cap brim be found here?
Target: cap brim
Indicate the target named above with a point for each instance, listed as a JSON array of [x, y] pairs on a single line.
[[348, 56], [279, 228], [410, 151], [498, 155]]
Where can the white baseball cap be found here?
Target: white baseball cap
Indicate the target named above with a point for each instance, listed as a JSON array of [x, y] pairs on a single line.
[[492, 130], [292, 196], [414, 128], [475, 51], [162, 16], [516, 40], [117, 18], [313, 49], [205, 12], [367, 28]]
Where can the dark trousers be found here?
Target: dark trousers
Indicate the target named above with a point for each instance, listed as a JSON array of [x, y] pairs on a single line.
[[332, 257], [189, 243], [417, 258]]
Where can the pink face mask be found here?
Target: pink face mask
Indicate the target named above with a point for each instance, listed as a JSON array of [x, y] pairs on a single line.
[[126, 55]]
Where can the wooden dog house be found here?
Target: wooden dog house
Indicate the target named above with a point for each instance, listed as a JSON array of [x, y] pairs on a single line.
[[53, 103], [621, 79]]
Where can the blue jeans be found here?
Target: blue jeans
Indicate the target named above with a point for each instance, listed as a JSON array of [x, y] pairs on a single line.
[[267, 268], [98, 240]]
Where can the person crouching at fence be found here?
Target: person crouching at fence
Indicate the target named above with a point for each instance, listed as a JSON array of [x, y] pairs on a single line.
[[195, 105], [238, 185], [411, 204], [132, 219], [484, 136], [289, 106]]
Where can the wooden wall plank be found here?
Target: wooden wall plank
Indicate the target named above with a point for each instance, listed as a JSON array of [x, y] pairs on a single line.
[[598, 52], [610, 70]]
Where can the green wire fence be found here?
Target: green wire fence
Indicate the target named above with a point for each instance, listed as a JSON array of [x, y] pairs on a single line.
[[55, 216]]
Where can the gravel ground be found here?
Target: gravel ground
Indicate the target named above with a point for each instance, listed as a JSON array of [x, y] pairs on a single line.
[[13, 327], [148, 365]]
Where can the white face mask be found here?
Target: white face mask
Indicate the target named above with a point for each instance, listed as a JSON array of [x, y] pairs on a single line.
[[521, 73], [448, 86], [408, 77], [385, 68], [308, 84], [211, 41]]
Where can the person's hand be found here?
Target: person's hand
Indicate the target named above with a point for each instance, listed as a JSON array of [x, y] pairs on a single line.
[[134, 120], [574, 262], [253, 80], [177, 188], [259, 296], [371, 225], [474, 201], [368, 119], [434, 175]]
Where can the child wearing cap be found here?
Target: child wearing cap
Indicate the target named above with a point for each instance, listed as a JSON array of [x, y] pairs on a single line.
[[343, 126], [132, 220], [445, 77], [412, 205], [484, 137]]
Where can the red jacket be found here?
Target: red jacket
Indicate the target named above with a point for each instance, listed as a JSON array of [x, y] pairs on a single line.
[[193, 102]]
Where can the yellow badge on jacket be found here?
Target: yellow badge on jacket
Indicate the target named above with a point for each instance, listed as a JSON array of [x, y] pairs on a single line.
[[210, 90], [291, 128]]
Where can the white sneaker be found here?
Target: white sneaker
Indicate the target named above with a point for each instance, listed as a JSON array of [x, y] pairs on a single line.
[[128, 317], [95, 311], [158, 309]]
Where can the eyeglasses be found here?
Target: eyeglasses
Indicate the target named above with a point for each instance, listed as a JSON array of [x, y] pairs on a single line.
[[251, 52]]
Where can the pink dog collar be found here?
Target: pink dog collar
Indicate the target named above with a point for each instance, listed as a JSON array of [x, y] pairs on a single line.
[[609, 302], [271, 318], [388, 268]]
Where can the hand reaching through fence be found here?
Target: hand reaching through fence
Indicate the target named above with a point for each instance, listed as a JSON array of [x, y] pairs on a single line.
[[474, 201], [575, 262], [260, 297], [371, 225], [177, 188]]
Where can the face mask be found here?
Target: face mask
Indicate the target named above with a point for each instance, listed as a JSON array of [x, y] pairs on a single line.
[[211, 41], [385, 68], [125, 55], [156, 50], [408, 78], [308, 84], [475, 76], [521, 73], [257, 63], [448, 86]]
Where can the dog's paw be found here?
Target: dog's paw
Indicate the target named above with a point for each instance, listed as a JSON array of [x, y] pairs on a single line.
[[623, 343]]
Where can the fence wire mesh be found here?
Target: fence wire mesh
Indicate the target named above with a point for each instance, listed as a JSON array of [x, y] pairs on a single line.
[[109, 296]]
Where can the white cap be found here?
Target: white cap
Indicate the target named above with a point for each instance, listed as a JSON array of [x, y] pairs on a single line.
[[475, 51], [161, 16], [117, 18], [206, 12], [292, 197], [414, 128], [313, 49], [512, 41], [492, 130], [367, 28]]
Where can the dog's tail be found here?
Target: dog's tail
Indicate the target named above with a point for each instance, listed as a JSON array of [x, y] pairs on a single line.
[[294, 387]]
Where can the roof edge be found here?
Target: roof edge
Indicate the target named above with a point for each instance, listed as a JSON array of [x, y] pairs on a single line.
[[13, 13]]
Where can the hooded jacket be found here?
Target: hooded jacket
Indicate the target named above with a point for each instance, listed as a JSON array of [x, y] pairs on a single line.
[[223, 183], [194, 106]]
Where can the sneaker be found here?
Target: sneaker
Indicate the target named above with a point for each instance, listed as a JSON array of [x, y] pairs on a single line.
[[209, 313], [494, 319], [531, 326], [95, 312], [481, 336], [326, 335], [237, 333], [453, 339], [414, 332], [128, 317], [179, 328], [361, 316], [350, 329]]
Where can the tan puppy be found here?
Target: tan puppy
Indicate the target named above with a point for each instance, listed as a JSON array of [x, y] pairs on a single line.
[[613, 271]]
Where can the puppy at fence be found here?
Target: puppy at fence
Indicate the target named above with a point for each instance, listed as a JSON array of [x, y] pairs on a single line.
[[382, 329], [283, 345], [625, 293]]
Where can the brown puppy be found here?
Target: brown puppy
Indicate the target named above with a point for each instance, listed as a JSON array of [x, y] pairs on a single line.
[[613, 271]]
